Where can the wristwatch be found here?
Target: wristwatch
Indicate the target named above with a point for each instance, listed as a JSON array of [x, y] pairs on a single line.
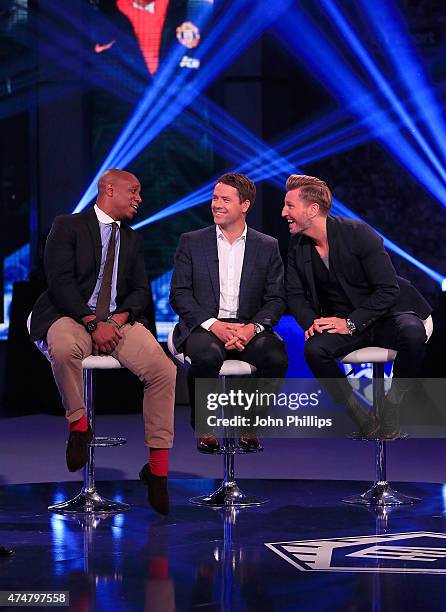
[[257, 328], [350, 326], [91, 325]]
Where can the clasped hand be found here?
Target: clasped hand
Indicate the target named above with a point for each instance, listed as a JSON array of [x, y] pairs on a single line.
[[235, 335], [332, 325], [105, 338]]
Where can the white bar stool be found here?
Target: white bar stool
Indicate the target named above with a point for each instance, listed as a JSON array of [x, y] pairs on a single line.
[[381, 493], [88, 501], [228, 494]]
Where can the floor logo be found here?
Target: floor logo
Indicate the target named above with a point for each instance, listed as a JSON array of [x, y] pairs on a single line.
[[418, 552]]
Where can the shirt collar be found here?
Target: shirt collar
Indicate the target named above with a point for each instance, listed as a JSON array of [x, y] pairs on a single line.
[[103, 217], [221, 236]]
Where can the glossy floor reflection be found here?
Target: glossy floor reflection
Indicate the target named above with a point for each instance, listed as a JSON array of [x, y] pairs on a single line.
[[204, 559]]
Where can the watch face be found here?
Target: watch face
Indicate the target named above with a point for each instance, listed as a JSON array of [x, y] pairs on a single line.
[[91, 326]]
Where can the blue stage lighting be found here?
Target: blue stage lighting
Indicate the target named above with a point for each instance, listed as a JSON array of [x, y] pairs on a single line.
[[327, 65], [361, 52], [249, 140], [390, 27], [179, 96], [150, 116]]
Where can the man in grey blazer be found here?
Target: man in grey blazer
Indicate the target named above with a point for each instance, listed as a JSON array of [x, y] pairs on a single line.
[[228, 290]]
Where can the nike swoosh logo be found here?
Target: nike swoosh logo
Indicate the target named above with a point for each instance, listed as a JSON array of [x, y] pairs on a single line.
[[100, 48]]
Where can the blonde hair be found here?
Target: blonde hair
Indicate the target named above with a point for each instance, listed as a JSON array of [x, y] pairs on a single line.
[[311, 189]]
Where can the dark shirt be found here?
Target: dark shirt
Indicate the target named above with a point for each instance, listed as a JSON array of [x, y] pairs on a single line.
[[331, 296]]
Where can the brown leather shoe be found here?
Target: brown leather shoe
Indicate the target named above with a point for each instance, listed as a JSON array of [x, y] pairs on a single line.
[[157, 493], [208, 444], [249, 442]]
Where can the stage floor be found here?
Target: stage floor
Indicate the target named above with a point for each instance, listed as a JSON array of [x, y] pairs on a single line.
[[304, 549]]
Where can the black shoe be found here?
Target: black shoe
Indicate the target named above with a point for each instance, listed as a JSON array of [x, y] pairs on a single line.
[[366, 422], [157, 494], [77, 449], [208, 444], [249, 442], [6, 552], [389, 428]]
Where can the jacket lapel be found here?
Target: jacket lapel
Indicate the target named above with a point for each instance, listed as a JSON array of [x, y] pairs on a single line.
[[308, 270], [95, 234], [211, 256], [335, 246], [251, 251]]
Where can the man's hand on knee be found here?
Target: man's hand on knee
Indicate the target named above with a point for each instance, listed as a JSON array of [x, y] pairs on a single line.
[[243, 335], [106, 337], [314, 328], [332, 325], [224, 331]]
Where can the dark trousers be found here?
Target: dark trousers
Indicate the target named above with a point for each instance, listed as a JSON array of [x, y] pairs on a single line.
[[404, 333], [207, 353]]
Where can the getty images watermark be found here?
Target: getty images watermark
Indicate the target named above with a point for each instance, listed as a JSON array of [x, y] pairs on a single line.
[[303, 407], [254, 404], [272, 407]]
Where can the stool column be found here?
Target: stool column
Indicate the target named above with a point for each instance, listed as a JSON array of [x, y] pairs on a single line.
[[89, 390], [378, 402]]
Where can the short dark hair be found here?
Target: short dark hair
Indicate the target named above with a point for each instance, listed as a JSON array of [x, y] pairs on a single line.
[[311, 189], [245, 187]]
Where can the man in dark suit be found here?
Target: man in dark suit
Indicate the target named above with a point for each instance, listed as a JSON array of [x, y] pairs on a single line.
[[95, 302], [344, 292], [227, 287]]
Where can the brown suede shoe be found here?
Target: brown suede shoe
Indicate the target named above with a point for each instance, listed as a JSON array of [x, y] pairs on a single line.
[[157, 493], [208, 444], [249, 442], [77, 449]]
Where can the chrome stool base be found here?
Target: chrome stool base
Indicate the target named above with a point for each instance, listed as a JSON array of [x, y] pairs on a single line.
[[228, 495], [381, 495], [89, 502]]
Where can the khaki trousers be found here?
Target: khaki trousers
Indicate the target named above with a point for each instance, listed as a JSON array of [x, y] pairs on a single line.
[[139, 352]]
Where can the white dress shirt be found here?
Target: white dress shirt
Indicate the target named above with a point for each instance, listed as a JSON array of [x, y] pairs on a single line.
[[230, 264]]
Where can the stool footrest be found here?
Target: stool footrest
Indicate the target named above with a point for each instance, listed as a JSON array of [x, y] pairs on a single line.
[[99, 441], [89, 502], [232, 450], [227, 495], [359, 437], [379, 495]]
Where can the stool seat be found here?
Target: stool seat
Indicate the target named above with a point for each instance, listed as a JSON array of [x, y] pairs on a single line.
[[234, 367], [230, 367], [370, 354], [101, 362]]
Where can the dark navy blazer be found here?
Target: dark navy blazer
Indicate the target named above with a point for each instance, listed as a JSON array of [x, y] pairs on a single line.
[[195, 288]]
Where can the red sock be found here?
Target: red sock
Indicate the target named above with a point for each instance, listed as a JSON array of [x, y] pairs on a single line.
[[159, 568], [159, 461], [79, 425]]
